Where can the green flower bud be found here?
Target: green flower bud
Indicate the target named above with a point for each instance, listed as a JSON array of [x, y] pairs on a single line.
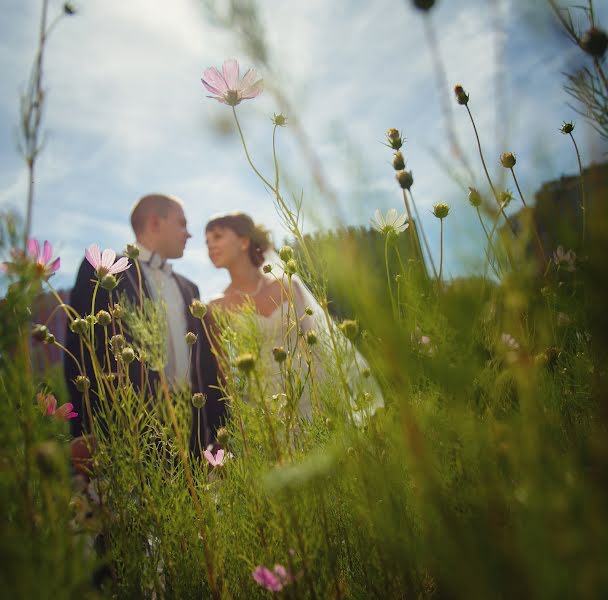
[[267, 268], [91, 320], [199, 400], [82, 383], [308, 311], [198, 309], [117, 343], [441, 210], [132, 251], [594, 42], [398, 161], [40, 332], [405, 179], [508, 160], [245, 362], [286, 253], [279, 354], [567, 128], [79, 326], [505, 198], [394, 138], [108, 282], [104, 318], [474, 197], [127, 355], [50, 339], [191, 338], [69, 9], [223, 436], [291, 267], [311, 337], [461, 96], [117, 311], [350, 329]]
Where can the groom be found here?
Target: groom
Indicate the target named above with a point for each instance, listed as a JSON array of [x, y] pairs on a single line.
[[161, 232]]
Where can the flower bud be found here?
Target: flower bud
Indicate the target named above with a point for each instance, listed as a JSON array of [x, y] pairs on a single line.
[[40, 332], [461, 96], [127, 355], [474, 197], [405, 179], [286, 253], [79, 326], [82, 383], [507, 160], [223, 436], [441, 210], [279, 354], [198, 309], [245, 362], [366, 373], [311, 337], [104, 318], [398, 161], [199, 400], [69, 9], [50, 339], [594, 42], [505, 198], [291, 267], [191, 338], [350, 329], [132, 251], [108, 282], [267, 268], [279, 120], [117, 311], [394, 138], [91, 320], [567, 128], [308, 311], [117, 343]]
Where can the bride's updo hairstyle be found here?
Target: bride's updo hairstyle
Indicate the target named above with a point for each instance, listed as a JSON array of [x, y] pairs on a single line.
[[244, 226]]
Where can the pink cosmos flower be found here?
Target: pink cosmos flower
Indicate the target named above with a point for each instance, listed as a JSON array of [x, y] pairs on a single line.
[[217, 460], [104, 263], [45, 268], [274, 581], [48, 406], [226, 86]]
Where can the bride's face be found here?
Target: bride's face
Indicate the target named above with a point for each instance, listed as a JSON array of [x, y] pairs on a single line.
[[225, 247]]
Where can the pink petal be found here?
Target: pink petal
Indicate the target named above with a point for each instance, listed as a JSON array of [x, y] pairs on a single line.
[[253, 90], [63, 411], [209, 457], [54, 266], [219, 456], [219, 99], [71, 415], [248, 79], [51, 405], [47, 252], [107, 258], [230, 71], [215, 79], [122, 264], [93, 255], [211, 88], [33, 248]]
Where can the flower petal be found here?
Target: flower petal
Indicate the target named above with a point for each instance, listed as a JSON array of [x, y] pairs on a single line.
[[93, 255], [219, 99], [209, 457], [215, 79], [54, 266], [219, 456], [107, 258], [253, 90], [33, 248], [63, 411], [51, 405], [230, 71], [248, 79], [122, 264], [47, 252], [391, 216]]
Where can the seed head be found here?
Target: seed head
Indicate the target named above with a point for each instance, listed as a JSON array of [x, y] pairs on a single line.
[[594, 42], [441, 210], [311, 337], [398, 161], [108, 282], [223, 436], [291, 267], [279, 120], [405, 179], [198, 400], [91, 320], [366, 373], [104, 318], [82, 383], [394, 138], [350, 329], [191, 338], [279, 354], [507, 160], [127, 355], [117, 343], [198, 309], [40, 332], [474, 197], [308, 311], [245, 362], [286, 253], [505, 198], [117, 311], [461, 96], [69, 9], [132, 251], [50, 339], [567, 128], [79, 326], [267, 268]]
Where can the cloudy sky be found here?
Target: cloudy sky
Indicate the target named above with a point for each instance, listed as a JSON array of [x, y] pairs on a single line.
[[126, 113]]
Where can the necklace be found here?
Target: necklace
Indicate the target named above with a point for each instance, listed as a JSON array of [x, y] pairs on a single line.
[[255, 292]]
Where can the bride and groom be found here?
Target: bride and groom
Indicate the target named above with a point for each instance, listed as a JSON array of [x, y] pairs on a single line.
[[235, 243]]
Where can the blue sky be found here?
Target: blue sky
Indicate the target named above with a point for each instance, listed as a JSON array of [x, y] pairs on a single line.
[[126, 114]]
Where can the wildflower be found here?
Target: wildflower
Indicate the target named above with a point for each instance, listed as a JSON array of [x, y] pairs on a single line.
[[226, 86], [198, 309], [217, 460], [273, 581], [393, 223], [104, 318], [117, 311], [474, 197], [132, 251], [350, 329], [199, 400], [191, 338], [594, 42], [286, 253], [127, 355], [509, 341], [279, 120], [394, 138], [505, 198], [245, 362], [441, 210], [311, 337], [508, 160], [291, 267], [43, 266], [567, 260], [567, 128], [79, 326], [398, 161], [48, 406], [461, 96], [103, 263], [223, 436], [82, 383], [91, 320], [267, 268], [279, 353], [405, 179], [117, 343]]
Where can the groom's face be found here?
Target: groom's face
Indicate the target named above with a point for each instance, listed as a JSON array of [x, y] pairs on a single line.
[[173, 233]]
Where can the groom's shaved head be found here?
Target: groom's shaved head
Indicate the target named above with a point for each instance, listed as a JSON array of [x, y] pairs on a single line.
[[152, 204]]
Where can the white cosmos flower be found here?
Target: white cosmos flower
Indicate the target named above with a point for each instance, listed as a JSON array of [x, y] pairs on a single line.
[[392, 223]]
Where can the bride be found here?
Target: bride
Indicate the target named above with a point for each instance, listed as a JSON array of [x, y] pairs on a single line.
[[290, 325]]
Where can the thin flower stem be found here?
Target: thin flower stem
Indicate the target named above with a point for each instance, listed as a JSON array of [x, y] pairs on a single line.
[[582, 181], [276, 162], [412, 229], [491, 246], [388, 275], [440, 251], [424, 238], [518, 188], [485, 168]]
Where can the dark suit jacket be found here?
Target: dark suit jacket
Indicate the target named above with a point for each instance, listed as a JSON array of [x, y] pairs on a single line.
[[203, 369]]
